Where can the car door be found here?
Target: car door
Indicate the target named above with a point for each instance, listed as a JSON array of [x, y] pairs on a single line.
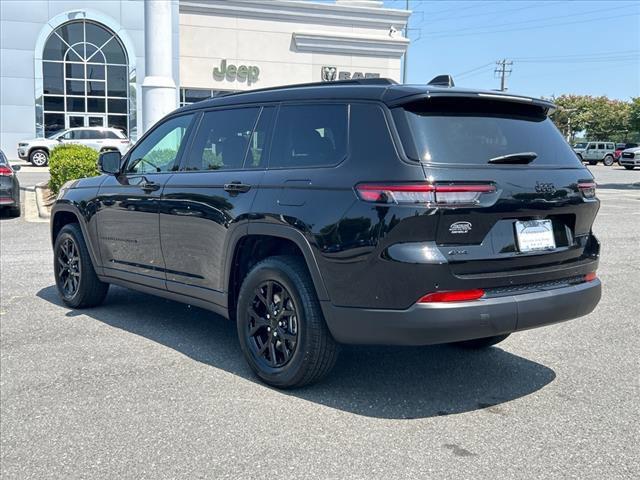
[[128, 205], [592, 151], [209, 200]]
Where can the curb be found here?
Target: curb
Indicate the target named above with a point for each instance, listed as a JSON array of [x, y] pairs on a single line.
[[43, 212]]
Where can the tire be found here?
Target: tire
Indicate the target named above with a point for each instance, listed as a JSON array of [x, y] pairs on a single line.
[[593, 162], [580, 157], [39, 157], [629, 167], [13, 211], [608, 160], [480, 343], [83, 289], [304, 351]]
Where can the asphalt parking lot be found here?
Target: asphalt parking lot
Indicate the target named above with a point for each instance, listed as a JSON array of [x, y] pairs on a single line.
[[148, 388]]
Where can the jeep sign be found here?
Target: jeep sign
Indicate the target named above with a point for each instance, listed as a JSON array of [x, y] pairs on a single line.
[[234, 73], [330, 74]]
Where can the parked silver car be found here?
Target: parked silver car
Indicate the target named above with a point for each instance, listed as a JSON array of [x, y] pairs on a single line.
[[594, 152], [630, 158], [101, 139]]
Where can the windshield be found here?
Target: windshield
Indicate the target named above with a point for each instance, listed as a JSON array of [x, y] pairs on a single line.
[[459, 131], [56, 134]]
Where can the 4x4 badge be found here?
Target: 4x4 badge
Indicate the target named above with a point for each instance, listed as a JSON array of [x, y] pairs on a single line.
[[460, 227]]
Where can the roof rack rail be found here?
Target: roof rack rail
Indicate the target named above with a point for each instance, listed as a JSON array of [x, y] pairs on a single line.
[[357, 81]]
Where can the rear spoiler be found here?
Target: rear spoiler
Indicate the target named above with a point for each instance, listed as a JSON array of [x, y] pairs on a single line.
[[545, 105]]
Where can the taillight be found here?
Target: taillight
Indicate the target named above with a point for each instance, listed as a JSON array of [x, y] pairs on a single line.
[[456, 296], [5, 171], [588, 189], [424, 193], [590, 277]]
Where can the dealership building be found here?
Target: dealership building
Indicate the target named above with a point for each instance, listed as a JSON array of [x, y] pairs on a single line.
[[125, 63]]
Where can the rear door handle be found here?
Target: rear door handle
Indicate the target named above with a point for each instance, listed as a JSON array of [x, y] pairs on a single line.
[[236, 187], [149, 186]]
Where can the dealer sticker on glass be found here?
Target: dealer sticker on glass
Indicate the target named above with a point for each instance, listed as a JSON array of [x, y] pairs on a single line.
[[535, 235]]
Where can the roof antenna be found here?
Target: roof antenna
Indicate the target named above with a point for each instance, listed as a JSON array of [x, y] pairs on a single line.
[[442, 81]]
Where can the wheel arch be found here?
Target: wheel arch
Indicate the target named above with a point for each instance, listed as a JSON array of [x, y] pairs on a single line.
[[261, 241], [64, 215], [32, 149]]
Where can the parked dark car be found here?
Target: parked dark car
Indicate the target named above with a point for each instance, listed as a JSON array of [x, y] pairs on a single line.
[[9, 187], [357, 212]]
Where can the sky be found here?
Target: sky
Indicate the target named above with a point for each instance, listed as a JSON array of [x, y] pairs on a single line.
[[557, 47]]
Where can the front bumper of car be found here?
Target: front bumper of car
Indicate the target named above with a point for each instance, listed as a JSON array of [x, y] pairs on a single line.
[[635, 161]]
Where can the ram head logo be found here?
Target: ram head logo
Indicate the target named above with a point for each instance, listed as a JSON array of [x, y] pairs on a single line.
[[329, 74]]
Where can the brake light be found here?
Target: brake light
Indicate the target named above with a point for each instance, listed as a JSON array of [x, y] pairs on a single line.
[[458, 296], [424, 193], [590, 277], [588, 189], [5, 171]]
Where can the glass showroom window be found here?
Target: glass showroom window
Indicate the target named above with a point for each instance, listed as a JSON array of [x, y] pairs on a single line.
[[193, 95], [85, 78]]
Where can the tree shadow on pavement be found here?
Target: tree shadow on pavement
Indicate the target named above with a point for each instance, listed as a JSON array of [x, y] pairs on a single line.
[[381, 382]]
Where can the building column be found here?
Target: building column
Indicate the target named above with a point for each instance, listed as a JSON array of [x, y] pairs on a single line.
[[158, 87]]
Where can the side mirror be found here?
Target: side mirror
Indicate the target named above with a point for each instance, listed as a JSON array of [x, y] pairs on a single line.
[[16, 167], [109, 162]]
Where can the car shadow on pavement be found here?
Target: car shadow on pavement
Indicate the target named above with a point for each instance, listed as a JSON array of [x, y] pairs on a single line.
[[380, 382]]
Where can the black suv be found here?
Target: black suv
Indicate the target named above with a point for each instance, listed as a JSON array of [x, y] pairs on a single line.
[[358, 212]]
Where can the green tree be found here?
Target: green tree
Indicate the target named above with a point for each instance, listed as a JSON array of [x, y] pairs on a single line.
[[600, 117]]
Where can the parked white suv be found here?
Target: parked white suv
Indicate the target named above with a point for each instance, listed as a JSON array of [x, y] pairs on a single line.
[[37, 151], [594, 152]]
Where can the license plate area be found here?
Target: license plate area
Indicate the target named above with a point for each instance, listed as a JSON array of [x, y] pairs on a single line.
[[535, 235]]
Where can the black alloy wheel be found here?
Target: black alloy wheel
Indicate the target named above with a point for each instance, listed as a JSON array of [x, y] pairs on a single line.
[[77, 282], [281, 328], [69, 267], [272, 325]]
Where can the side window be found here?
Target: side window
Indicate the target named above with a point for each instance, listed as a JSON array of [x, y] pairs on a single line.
[[109, 134], [310, 136], [611, 146], [222, 139], [69, 135], [601, 146], [158, 151], [259, 141], [592, 146]]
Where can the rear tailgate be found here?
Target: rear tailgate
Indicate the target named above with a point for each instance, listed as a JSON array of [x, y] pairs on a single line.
[[454, 139]]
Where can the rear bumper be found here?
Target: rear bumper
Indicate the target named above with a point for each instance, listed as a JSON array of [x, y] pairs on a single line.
[[426, 324]]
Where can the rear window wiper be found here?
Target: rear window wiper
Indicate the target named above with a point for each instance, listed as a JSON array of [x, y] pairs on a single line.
[[515, 158]]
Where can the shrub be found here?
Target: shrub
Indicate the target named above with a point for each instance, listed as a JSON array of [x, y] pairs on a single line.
[[70, 162]]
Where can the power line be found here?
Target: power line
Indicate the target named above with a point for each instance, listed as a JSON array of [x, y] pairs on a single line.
[[494, 12], [526, 22], [473, 70], [579, 55], [528, 28]]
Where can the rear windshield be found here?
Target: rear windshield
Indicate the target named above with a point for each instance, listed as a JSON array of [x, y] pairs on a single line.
[[471, 132]]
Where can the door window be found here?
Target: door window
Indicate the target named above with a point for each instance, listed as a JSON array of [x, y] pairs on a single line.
[[222, 139], [158, 151], [601, 146], [310, 136]]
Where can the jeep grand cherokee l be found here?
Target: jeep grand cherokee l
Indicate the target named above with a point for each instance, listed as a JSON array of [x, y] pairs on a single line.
[[38, 150], [358, 212]]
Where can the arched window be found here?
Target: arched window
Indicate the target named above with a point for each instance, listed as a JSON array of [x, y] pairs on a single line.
[[85, 78]]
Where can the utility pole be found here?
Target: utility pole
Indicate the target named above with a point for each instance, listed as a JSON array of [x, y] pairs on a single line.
[[503, 70]]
